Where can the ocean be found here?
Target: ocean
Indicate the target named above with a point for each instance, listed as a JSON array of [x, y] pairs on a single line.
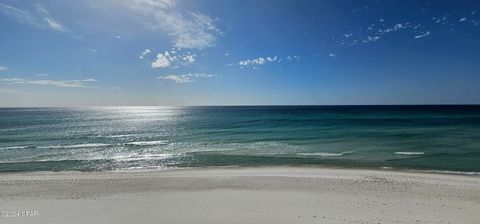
[[434, 138]]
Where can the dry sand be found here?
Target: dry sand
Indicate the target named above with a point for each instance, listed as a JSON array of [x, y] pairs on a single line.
[[241, 195]]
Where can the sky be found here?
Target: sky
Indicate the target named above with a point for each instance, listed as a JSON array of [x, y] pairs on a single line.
[[238, 52]]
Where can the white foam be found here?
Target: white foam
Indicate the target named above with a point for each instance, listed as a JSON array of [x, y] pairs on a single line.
[[146, 143], [325, 154], [14, 147], [88, 145], [409, 153], [137, 157], [94, 145], [118, 136]]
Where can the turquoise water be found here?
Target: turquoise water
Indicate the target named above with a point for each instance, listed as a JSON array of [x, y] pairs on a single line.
[[117, 138]]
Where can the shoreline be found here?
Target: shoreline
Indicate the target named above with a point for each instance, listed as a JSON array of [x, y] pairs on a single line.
[[166, 169], [241, 195]]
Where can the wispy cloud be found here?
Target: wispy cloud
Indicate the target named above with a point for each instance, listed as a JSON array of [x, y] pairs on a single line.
[[190, 77], [396, 27], [258, 61], [418, 28], [448, 21], [145, 53], [169, 58], [12, 91], [293, 58], [378, 34], [3, 68], [186, 29], [38, 17], [377, 31], [333, 55], [91, 50], [422, 35], [83, 83], [441, 20], [189, 58], [42, 74]]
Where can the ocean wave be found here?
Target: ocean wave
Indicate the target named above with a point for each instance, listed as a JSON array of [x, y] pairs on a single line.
[[408, 153], [87, 145], [96, 145], [163, 167], [117, 158], [146, 143], [15, 147], [119, 136], [325, 154], [137, 157]]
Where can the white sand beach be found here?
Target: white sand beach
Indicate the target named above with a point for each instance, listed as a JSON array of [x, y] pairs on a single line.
[[240, 195]]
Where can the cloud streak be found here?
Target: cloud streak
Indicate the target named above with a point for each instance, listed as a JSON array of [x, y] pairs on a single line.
[[187, 78], [260, 61], [186, 29], [257, 61], [83, 83], [145, 53], [12, 91], [91, 50], [39, 17], [3, 68], [422, 35]]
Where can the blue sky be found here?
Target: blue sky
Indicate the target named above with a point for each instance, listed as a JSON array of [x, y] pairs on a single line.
[[249, 52]]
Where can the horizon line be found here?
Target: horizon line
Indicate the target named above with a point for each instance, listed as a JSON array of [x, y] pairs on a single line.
[[247, 105]]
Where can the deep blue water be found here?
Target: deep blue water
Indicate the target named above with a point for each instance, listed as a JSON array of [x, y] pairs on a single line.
[[111, 138]]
